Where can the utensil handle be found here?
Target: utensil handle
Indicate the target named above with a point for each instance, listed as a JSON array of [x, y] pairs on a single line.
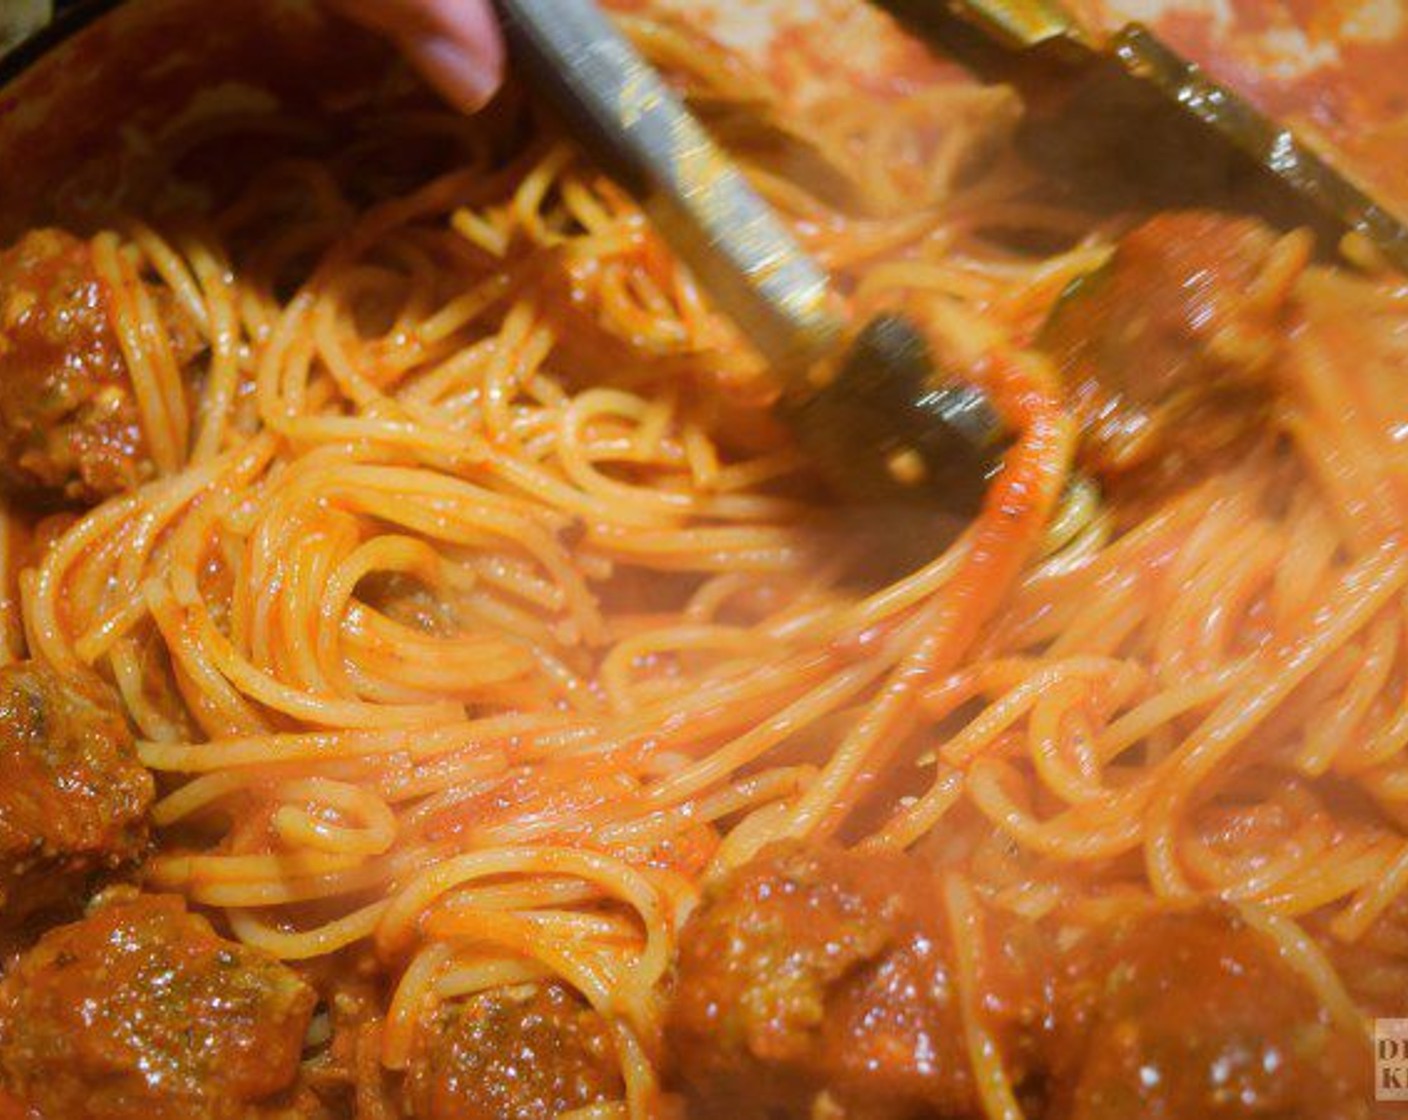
[[634, 127], [998, 40], [1017, 24]]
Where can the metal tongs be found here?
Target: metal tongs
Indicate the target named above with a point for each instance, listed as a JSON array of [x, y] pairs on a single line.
[[1126, 122], [880, 426]]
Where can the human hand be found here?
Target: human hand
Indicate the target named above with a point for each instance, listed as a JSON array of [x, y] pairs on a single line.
[[455, 43]]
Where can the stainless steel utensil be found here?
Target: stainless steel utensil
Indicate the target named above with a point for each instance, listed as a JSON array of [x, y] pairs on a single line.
[[881, 426]]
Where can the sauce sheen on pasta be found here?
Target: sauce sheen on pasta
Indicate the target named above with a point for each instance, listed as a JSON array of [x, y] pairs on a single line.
[[434, 686]]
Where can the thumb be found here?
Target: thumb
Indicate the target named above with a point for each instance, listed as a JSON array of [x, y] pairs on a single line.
[[455, 44]]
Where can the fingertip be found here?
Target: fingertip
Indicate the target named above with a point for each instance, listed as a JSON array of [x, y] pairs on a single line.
[[474, 24], [469, 52], [455, 44], [467, 76]]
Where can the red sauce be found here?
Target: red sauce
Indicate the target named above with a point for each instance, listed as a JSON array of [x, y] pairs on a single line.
[[1353, 100], [137, 69], [73, 797], [814, 981], [141, 1012], [1195, 1014], [1164, 352], [69, 423], [819, 978], [530, 1053]]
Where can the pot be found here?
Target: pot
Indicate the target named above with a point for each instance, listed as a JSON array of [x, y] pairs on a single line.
[[118, 73]]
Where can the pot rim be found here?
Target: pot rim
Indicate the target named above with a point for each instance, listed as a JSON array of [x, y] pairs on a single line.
[[66, 23]]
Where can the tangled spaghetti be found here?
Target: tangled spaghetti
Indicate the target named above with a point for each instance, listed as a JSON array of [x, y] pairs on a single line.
[[480, 612]]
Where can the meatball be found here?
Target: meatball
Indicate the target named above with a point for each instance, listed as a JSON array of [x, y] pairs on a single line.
[[70, 427], [1194, 1014], [142, 1012], [1164, 351], [518, 1053], [73, 796], [818, 978]]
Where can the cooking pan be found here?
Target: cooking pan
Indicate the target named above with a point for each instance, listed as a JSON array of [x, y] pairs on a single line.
[[79, 100], [82, 113], [81, 104]]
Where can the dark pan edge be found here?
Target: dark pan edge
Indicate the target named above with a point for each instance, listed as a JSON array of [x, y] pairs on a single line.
[[69, 21]]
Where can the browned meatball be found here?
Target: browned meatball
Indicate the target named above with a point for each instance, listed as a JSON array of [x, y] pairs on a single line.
[[519, 1053], [819, 978], [73, 796], [70, 428], [142, 1012], [1194, 1016], [1164, 351]]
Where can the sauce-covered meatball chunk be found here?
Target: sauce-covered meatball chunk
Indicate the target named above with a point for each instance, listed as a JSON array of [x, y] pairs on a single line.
[[523, 1053], [1194, 1014], [816, 981], [73, 796], [142, 1012], [70, 426], [1165, 352]]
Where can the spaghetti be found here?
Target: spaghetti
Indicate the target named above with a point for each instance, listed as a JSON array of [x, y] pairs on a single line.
[[479, 613]]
